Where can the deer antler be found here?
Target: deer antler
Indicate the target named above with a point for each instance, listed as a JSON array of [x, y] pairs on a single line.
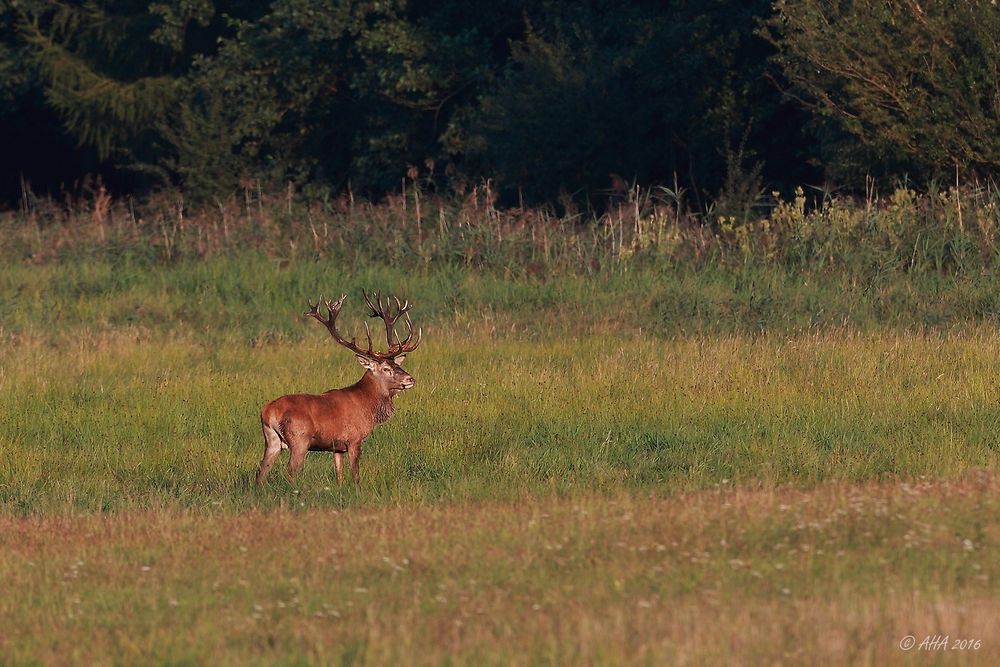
[[330, 323], [408, 344], [396, 348]]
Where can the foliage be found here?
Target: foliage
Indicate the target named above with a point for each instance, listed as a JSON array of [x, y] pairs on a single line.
[[35, 145], [547, 100], [354, 94], [104, 75], [111, 72], [541, 96], [916, 84], [616, 93]]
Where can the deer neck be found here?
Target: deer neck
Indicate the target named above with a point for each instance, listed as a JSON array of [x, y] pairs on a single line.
[[379, 399]]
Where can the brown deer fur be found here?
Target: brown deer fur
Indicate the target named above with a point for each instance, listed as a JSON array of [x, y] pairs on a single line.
[[339, 420]]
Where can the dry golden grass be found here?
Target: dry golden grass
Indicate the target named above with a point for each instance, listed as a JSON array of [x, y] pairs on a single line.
[[833, 575]]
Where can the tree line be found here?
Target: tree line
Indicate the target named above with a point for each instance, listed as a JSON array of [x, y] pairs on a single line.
[[549, 100]]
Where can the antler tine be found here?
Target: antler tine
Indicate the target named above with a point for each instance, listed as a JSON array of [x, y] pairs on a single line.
[[369, 335], [389, 318], [408, 344], [334, 310], [410, 347], [376, 311], [332, 307], [314, 309], [401, 307], [409, 330], [330, 322]]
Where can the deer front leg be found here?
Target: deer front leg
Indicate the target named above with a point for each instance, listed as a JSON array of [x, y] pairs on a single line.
[[354, 454], [338, 462]]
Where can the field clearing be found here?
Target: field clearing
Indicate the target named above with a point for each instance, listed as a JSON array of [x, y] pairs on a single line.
[[654, 468], [838, 574]]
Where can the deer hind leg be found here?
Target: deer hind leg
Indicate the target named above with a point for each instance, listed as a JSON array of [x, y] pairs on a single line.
[[298, 449], [272, 447], [338, 462]]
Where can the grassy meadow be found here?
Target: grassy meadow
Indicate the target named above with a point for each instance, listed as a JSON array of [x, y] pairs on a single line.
[[647, 465], [837, 574]]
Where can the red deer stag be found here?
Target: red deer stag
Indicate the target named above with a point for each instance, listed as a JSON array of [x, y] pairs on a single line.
[[339, 420]]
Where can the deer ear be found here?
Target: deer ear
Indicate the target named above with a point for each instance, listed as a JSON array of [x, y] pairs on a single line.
[[365, 361], [398, 360]]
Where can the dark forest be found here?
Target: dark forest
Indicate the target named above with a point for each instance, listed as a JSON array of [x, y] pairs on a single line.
[[548, 100]]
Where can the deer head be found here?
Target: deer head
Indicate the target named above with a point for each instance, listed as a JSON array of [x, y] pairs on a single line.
[[384, 366]]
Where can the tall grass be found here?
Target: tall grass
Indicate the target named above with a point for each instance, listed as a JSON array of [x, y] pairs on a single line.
[[954, 230]]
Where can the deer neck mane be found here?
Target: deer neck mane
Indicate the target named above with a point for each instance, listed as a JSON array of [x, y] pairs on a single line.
[[380, 399]]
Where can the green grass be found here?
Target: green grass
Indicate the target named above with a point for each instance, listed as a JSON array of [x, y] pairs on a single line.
[[126, 386], [673, 466], [252, 296], [119, 423]]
